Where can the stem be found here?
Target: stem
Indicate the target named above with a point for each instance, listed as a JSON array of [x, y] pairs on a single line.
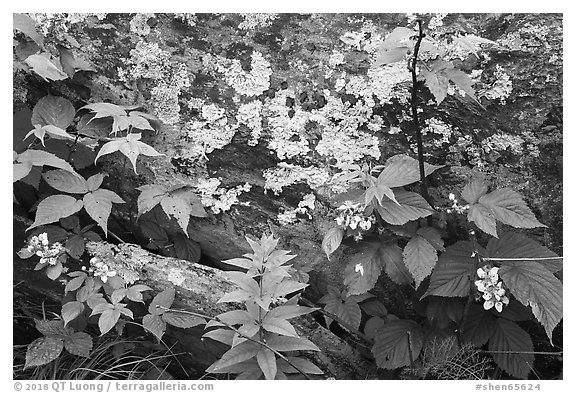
[[241, 335], [72, 147], [412, 68], [522, 259]]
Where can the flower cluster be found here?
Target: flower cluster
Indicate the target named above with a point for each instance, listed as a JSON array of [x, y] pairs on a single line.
[[251, 83], [40, 246], [493, 293], [219, 199], [304, 207], [460, 209], [352, 215], [99, 269]]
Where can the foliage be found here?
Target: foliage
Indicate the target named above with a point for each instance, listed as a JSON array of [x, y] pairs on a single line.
[[259, 334]]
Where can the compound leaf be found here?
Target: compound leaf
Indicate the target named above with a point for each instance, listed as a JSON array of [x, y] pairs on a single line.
[[483, 218], [42, 351], [150, 196], [130, 146], [161, 301], [401, 170], [98, 205], [107, 320], [478, 325], [41, 158], [508, 207], [285, 343], [411, 206], [394, 342], [474, 190], [420, 258], [71, 310]]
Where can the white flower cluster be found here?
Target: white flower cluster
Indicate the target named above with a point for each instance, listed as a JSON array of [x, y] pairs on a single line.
[[304, 207], [251, 83], [286, 174], [212, 133], [352, 215], [250, 114], [219, 199], [501, 88], [491, 287], [99, 269], [40, 246], [455, 206], [438, 127]]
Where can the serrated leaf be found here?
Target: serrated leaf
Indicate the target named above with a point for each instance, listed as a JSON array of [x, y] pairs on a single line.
[[509, 337], [477, 326], [433, 236], [514, 245], [365, 266], [279, 326], [534, 285], [483, 218], [71, 310], [420, 258], [154, 324], [66, 181], [98, 205], [27, 26], [45, 68], [401, 170], [372, 325], [285, 343], [508, 207], [474, 190], [394, 341], [411, 206], [186, 248], [42, 351], [54, 111], [52, 328], [453, 272], [182, 320], [79, 344], [55, 207], [443, 310], [267, 362], [332, 240], [304, 365], [41, 158], [162, 300]]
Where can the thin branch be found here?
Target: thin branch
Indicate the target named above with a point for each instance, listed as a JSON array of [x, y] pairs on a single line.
[[527, 353], [412, 68], [523, 259], [241, 335]]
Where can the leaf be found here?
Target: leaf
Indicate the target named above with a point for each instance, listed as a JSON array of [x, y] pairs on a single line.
[[241, 352], [98, 129], [332, 240], [474, 190], [433, 236], [461, 80], [54, 272], [151, 230], [41, 158], [20, 171], [42, 351], [267, 362], [244, 263], [94, 182], [67, 61], [401, 170], [534, 285], [285, 343], [509, 337], [442, 310], [105, 109], [177, 208], [182, 320], [345, 308], [79, 344], [304, 365], [186, 248], [222, 335], [395, 267], [477, 326], [394, 341], [420, 258], [162, 300], [154, 324], [508, 207], [483, 218], [52, 328], [372, 325], [130, 146], [71, 310], [398, 36], [374, 308], [288, 286], [436, 83], [514, 245], [279, 326], [55, 207], [66, 181], [26, 25], [234, 317], [245, 282], [53, 111], [118, 295], [390, 56], [288, 312], [454, 271], [98, 205], [150, 196], [45, 68], [107, 320], [411, 206]]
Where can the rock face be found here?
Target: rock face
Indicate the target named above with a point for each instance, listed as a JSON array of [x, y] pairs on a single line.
[[260, 112]]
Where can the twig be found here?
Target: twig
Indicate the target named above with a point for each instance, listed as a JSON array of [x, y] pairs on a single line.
[[241, 335], [412, 68], [523, 259]]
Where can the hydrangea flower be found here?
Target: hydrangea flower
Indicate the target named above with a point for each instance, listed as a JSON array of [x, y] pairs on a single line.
[[100, 269], [351, 215], [493, 293], [40, 246]]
